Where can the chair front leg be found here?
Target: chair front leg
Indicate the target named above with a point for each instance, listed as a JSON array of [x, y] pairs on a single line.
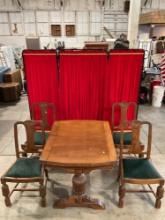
[[6, 194], [46, 174], [121, 195], [42, 194], [159, 195]]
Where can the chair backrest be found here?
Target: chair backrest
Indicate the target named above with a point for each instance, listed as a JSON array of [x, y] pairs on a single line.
[[123, 108], [135, 145], [29, 145], [43, 111]]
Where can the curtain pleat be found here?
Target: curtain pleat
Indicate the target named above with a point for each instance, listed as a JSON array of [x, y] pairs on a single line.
[[81, 84]]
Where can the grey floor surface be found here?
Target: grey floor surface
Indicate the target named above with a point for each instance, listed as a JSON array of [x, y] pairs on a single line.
[[102, 184]]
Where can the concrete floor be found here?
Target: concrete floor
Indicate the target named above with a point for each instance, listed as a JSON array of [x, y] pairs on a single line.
[[102, 183]]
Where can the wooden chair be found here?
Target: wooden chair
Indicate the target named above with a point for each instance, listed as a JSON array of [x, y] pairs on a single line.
[[122, 109], [25, 169], [134, 170], [43, 110]]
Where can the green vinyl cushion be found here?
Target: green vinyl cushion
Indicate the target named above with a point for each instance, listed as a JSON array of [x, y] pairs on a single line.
[[25, 167], [139, 169], [127, 137], [38, 139]]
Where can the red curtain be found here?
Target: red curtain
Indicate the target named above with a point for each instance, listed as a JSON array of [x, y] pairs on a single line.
[[81, 84], [122, 80], [89, 82], [41, 76]]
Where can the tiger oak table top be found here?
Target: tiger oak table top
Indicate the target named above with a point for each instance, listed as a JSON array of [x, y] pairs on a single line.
[[79, 143]]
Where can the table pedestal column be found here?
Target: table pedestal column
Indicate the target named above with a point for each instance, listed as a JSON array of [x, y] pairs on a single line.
[[79, 198]]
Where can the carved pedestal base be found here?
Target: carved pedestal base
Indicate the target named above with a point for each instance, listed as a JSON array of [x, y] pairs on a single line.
[[75, 201], [79, 199]]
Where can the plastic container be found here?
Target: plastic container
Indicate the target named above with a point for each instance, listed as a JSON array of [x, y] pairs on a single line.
[[157, 96]]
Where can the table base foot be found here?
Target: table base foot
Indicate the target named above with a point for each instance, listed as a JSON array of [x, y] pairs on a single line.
[[75, 201]]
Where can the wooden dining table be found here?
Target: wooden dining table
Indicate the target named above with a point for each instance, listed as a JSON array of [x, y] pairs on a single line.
[[79, 146]]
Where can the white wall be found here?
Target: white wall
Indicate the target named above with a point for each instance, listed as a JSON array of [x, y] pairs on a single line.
[[152, 5], [34, 18], [159, 30], [13, 40]]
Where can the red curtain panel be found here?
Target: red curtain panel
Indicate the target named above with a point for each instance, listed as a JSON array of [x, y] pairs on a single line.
[[41, 75], [89, 82], [122, 80], [81, 84]]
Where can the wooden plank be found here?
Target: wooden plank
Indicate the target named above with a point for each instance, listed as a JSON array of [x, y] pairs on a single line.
[[154, 17]]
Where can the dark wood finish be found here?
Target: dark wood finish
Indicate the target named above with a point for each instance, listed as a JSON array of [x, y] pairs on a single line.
[[43, 108], [56, 30], [70, 30], [14, 76], [28, 149], [9, 91], [79, 146], [134, 150]]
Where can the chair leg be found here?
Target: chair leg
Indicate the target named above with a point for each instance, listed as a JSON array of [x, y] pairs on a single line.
[[119, 173], [159, 195], [47, 174], [141, 154], [43, 194], [118, 176], [6, 194], [121, 196]]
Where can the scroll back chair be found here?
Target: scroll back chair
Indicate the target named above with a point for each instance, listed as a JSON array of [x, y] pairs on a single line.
[[134, 170], [25, 169], [43, 110]]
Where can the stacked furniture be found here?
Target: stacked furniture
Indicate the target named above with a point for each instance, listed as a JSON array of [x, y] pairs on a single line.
[[14, 76], [10, 85], [9, 91]]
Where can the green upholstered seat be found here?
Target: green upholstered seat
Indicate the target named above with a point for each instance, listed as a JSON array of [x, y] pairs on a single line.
[[38, 139], [25, 168], [127, 137], [139, 169]]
